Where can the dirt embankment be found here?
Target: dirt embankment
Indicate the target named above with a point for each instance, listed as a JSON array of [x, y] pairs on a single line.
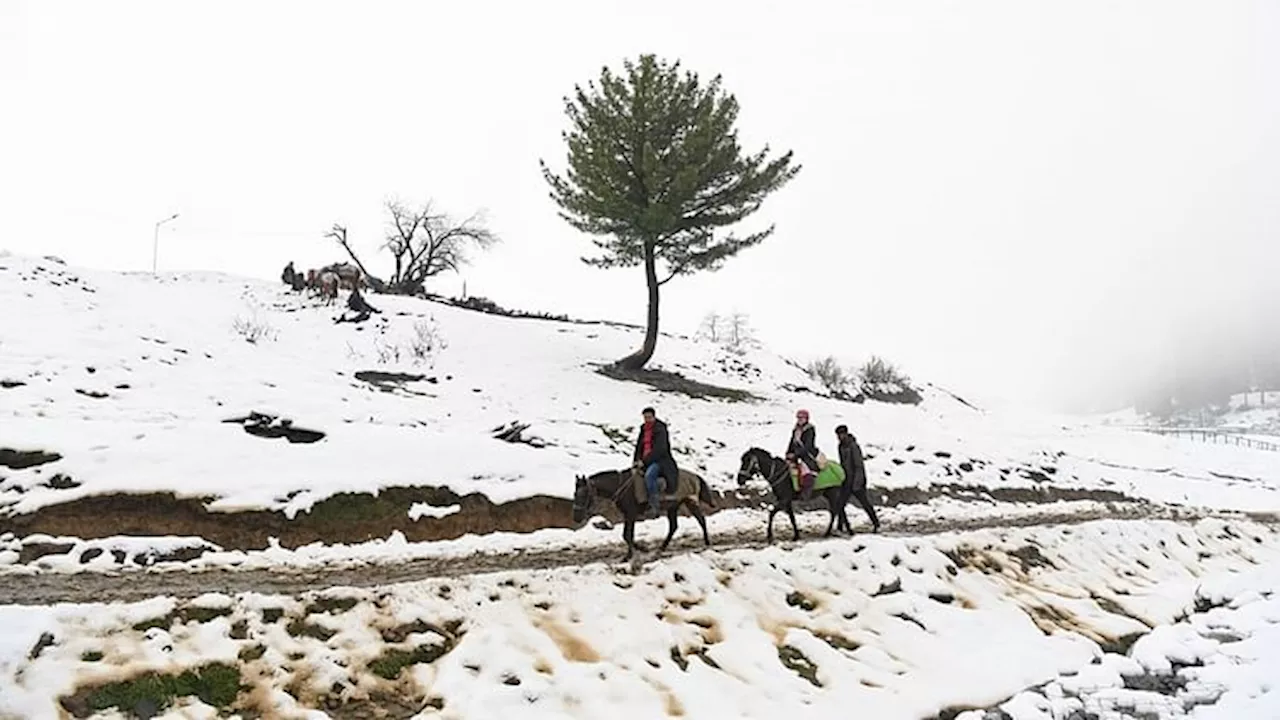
[[360, 517]]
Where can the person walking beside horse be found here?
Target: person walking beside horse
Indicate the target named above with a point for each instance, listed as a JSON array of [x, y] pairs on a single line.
[[855, 471], [653, 457]]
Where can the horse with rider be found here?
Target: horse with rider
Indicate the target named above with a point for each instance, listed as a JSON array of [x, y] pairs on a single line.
[[654, 485]]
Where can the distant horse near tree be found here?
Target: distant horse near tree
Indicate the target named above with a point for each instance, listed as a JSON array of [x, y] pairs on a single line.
[[620, 487]]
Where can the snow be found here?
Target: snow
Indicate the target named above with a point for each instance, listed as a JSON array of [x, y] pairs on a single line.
[[132, 380], [164, 368], [418, 510], [897, 627]]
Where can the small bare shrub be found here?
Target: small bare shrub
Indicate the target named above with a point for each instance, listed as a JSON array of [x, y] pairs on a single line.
[[425, 341], [877, 371], [253, 329], [420, 347], [880, 380], [828, 372]]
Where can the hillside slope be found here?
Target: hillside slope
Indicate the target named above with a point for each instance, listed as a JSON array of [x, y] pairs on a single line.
[[115, 385]]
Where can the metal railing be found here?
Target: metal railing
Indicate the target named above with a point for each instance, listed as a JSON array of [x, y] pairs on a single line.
[[1217, 437]]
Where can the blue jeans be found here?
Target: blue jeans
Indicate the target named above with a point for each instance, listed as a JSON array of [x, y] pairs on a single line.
[[651, 475]]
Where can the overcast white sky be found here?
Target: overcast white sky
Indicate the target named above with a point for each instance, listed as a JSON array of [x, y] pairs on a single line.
[[1010, 198]]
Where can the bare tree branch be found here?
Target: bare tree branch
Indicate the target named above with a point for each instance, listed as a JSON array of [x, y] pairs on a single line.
[[339, 234], [425, 243]]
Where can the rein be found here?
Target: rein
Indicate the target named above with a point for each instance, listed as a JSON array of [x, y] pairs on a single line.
[[774, 477]]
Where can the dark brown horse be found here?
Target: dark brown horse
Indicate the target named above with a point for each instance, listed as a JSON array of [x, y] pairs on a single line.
[[775, 471], [619, 486]]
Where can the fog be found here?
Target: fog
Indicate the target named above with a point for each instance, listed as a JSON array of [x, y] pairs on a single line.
[[1030, 203]]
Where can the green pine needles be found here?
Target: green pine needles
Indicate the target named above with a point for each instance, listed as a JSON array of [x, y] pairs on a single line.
[[656, 169]]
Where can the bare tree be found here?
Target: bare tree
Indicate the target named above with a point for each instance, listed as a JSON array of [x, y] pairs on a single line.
[[739, 335], [425, 243], [710, 328]]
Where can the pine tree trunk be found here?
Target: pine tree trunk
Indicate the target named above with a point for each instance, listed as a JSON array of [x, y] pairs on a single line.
[[637, 360]]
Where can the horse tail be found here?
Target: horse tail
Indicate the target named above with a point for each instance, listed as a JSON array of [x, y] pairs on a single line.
[[704, 494]]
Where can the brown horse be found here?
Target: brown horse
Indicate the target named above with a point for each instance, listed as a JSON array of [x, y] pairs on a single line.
[[619, 486]]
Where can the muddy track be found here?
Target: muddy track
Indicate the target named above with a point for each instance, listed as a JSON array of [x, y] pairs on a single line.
[[135, 585]]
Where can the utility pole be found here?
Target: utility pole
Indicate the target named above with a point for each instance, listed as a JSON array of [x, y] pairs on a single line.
[[155, 241]]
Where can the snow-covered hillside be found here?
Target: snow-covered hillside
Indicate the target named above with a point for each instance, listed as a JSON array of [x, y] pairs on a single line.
[[117, 384], [165, 554]]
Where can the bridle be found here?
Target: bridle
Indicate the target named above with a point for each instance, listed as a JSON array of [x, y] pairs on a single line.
[[774, 477]]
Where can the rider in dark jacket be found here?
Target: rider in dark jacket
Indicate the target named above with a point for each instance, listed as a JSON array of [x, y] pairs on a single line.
[[653, 455]]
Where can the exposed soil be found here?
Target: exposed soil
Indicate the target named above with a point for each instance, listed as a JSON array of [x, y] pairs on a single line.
[[359, 517], [342, 518], [673, 382], [23, 459]]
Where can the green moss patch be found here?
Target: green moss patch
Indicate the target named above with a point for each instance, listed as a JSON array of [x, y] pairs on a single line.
[[302, 628], [216, 685], [333, 606], [389, 665], [799, 663]]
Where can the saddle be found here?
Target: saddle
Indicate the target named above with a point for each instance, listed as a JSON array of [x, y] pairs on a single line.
[[684, 487]]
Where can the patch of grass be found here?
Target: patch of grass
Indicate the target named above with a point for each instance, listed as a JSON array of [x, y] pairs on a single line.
[[163, 622], [1029, 556], [839, 642], [800, 600], [272, 615], [252, 653], [202, 614], [797, 662], [701, 654], [333, 606], [216, 684], [389, 665], [889, 588], [302, 628]]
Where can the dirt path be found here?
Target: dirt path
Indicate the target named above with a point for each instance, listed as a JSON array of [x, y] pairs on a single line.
[[135, 585]]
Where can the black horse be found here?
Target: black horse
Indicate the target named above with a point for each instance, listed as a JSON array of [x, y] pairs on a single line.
[[618, 486], [775, 471]]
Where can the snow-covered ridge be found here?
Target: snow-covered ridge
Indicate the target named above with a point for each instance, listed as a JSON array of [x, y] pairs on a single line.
[[130, 379]]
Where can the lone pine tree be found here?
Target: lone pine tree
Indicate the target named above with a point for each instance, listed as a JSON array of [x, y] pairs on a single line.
[[655, 167]]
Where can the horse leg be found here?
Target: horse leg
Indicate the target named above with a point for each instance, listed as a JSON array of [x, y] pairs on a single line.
[[629, 534], [795, 529], [671, 525], [769, 535], [702, 521]]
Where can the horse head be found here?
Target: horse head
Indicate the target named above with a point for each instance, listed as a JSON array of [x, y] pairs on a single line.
[[752, 465], [583, 498]]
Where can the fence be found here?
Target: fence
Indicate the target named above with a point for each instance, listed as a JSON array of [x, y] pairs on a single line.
[[1217, 437]]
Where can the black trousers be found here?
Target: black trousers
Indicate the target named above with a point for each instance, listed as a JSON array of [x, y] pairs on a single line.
[[865, 502]]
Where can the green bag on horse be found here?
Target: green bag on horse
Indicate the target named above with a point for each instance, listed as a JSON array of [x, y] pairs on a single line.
[[832, 475]]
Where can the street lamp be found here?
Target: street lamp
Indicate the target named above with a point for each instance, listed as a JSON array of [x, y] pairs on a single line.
[[155, 241]]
